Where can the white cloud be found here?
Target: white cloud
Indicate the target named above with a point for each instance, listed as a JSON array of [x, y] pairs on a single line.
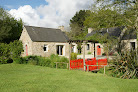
[[56, 13]]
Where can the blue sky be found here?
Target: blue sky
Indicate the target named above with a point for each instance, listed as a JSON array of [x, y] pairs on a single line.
[[45, 13], [10, 4]]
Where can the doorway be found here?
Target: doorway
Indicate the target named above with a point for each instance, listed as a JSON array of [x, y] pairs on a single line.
[[26, 50], [98, 50]]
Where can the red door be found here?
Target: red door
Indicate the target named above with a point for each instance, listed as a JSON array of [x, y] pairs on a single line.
[[98, 50], [26, 50]]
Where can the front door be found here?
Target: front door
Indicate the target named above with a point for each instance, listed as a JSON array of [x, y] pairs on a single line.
[[26, 50], [98, 50]]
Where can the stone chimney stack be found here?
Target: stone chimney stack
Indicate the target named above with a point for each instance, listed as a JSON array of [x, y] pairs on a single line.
[[90, 30], [61, 28]]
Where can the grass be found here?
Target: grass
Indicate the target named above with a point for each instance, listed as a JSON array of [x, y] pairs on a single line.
[[30, 78]]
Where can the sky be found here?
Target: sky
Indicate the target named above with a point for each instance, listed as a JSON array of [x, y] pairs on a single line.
[[45, 13]]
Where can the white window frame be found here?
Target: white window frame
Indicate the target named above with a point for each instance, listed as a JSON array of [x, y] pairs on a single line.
[[45, 45]]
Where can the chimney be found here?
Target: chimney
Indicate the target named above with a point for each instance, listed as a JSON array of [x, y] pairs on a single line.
[[90, 30], [61, 28]]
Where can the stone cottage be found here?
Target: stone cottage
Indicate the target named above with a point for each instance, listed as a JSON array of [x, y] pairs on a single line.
[[44, 41], [128, 38]]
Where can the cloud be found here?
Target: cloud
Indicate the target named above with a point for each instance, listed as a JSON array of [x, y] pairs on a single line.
[[56, 13]]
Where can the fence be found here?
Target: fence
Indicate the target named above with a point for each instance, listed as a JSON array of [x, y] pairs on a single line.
[[91, 64], [62, 63]]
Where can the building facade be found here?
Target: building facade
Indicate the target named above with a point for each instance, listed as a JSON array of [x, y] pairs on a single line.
[[44, 42]]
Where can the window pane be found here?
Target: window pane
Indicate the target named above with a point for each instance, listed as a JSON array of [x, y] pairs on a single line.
[[45, 47], [59, 49], [88, 46]]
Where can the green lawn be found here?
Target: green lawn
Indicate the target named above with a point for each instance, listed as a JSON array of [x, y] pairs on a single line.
[[29, 78]]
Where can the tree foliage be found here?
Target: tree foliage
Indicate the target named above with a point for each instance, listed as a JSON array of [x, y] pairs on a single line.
[[11, 51], [10, 28], [127, 8], [77, 24], [104, 18], [10, 31], [79, 18]]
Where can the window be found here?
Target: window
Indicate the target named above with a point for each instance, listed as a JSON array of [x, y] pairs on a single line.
[[88, 47], [59, 49], [132, 45], [73, 48], [45, 48]]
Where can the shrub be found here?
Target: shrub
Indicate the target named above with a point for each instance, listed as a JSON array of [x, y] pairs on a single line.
[[54, 58], [103, 54], [125, 65], [73, 56], [42, 61], [4, 53], [89, 53], [17, 61], [62, 65], [10, 52], [33, 62], [47, 62]]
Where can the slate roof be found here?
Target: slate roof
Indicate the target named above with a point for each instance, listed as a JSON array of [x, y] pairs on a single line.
[[40, 34], [130, 34], [115, 32]]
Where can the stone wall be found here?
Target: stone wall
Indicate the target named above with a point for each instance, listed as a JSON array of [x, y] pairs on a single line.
[[26, 40], [91, 48], [37, 48], [127, 43]]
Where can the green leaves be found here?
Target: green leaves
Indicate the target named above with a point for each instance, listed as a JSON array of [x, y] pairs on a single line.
[[10, 51], [104, 18], [4, 53], [10, 28], [77, 25]]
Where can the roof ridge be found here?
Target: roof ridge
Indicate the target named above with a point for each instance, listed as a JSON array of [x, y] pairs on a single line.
[[40, 27], [45, 34]]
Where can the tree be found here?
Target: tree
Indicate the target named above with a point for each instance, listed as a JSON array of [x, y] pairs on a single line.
[[127, 8], [10, 28], [126, 66], [77, 25], [79, 18], [104, 18]]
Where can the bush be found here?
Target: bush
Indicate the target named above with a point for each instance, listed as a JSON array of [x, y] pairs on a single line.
[[17, 61], [89, 53], [47, 62], [125, 65], [73, 56], [43, 61], [10, 52], [103, 54], [63, 59], [4, 53]]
